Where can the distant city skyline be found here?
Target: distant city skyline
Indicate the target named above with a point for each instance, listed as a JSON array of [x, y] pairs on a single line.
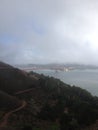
[[49, 31]]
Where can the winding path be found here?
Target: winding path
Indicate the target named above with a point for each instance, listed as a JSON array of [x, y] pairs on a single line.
[[7, 115]]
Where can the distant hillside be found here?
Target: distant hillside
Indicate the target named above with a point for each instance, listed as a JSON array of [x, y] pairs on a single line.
[[60, 67], [43, 102]]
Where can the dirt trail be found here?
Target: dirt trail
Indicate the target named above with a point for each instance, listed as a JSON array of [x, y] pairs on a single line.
[[8, 114], [24, 91]]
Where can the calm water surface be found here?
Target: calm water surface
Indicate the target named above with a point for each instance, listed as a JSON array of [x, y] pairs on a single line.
[[87, 79]]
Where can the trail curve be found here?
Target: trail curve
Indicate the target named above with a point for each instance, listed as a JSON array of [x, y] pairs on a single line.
[[8, 114]]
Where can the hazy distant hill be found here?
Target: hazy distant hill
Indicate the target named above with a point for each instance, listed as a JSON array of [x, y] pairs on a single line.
[[55, 66]]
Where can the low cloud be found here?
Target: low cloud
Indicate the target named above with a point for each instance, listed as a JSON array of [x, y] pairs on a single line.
[[43, 31]]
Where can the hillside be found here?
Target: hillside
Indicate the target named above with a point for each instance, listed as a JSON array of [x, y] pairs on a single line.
[[50, 103], [13, 79], [8, 102]]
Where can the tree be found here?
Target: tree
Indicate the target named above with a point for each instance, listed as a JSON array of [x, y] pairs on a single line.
[[27, 127]]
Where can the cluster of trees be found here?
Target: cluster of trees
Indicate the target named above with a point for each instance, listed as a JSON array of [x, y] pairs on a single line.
[[82, 106], [68, 107]]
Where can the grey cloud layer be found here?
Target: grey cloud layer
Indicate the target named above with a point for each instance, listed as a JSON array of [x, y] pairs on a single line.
[[49, 31]]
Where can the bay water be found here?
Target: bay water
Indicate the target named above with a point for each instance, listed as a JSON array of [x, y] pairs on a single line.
[[86, 79]]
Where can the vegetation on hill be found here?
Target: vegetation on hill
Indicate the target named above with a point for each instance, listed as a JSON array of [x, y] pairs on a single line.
[[51, 104], [13, 80]]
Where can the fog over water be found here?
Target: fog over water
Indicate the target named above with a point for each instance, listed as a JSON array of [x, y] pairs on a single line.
[[87, 79]]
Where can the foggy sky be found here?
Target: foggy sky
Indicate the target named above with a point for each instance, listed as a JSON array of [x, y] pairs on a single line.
[[49, 31]]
